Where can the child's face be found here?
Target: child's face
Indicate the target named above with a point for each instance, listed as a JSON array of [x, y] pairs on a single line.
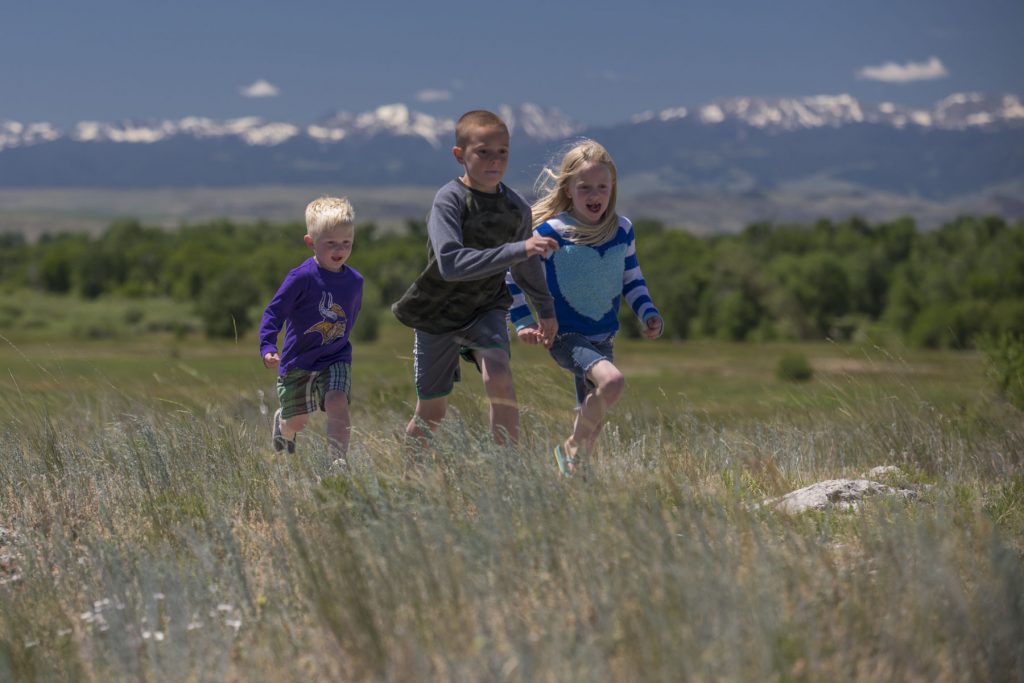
[[485, 157], [590, 191], [332, 247]]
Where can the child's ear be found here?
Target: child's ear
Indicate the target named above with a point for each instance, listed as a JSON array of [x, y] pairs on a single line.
[[308, 240], [457, 153]]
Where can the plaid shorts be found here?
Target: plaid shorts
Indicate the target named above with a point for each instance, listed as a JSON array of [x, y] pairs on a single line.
[[302, 391]]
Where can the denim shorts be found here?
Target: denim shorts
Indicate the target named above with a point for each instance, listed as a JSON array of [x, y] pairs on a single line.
[[577, 354]]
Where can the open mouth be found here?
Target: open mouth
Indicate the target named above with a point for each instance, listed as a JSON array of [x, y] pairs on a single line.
[[594, 208]]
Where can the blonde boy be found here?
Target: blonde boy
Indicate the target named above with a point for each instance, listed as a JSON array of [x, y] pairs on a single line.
[[319, 301], [478, 228]]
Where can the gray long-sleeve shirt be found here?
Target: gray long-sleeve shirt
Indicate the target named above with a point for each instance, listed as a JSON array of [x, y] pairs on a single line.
[[474, 238]]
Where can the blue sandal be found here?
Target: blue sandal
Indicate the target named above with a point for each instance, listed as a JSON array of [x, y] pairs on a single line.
[[566, 465]]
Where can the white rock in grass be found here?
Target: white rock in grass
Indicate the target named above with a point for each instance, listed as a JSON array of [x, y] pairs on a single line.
[[842, 494], [884, 471]]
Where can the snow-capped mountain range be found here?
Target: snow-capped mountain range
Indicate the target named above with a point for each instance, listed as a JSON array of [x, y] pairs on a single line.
[[966, 145], [956, 112], [391, 119]]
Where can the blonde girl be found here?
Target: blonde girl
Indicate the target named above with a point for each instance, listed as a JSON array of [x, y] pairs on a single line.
[[595, 266]]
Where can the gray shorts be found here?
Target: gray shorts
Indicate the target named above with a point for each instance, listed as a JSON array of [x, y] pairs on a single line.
[[436, 356]]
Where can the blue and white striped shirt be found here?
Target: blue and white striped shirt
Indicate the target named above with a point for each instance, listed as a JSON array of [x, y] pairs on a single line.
[[587, 282]]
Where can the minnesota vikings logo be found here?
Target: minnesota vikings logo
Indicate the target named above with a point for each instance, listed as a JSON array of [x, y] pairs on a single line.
[[334, 323]]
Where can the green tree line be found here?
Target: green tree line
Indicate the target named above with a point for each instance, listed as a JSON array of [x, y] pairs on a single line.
[[947, 288]]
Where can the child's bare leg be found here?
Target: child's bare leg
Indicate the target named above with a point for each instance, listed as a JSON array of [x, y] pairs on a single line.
[[428, 416], [583, 438], [339, 423], [497, 376], [293, 425], [608, 387]]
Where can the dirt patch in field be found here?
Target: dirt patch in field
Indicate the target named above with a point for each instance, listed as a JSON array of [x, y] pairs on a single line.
[[854, 366]]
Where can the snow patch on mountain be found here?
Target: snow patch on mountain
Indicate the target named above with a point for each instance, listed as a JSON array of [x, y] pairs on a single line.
[[15, 134], [673, 114], [94, 131], [712, 113], [394, 119], [270, 134], [539, 123]]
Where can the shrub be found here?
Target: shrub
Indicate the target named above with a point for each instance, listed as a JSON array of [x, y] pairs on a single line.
[[1004, 362], [953, 326], [224, 304], [367, 327], [794, 367]]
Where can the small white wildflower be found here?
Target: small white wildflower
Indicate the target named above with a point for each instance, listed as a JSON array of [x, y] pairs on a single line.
[[146, 635], [64, 632], [193, 625], [86, 616], [234, 623], [158, 596], [30, 644], [158, 635], [225, 607]]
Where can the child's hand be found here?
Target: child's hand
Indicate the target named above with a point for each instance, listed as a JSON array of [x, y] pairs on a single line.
[[548, 328], [271, 360], [654, 327], [530, 335], [540, 246]]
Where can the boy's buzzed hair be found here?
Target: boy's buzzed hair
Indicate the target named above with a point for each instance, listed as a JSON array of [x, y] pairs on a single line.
[[478, 118], [325, 213]]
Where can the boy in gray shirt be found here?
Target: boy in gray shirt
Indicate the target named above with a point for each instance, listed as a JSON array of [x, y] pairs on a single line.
[[478, 228]]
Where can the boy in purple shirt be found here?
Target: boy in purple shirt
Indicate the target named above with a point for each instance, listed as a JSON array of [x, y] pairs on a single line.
[[319, 301]]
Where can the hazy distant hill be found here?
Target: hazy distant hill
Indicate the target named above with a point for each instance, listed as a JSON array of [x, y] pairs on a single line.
[[716, 167]]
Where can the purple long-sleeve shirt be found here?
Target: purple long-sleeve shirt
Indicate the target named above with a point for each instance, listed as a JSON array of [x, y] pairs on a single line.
[[320, 309]]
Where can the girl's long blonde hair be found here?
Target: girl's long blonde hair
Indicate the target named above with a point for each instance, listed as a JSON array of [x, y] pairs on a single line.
[[553, 190]]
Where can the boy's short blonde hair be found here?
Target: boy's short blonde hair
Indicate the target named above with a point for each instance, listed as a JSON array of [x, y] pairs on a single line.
[[327, 213], [478, 118]]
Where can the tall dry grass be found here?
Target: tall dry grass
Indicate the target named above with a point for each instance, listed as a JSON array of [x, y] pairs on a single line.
[[153, 541]]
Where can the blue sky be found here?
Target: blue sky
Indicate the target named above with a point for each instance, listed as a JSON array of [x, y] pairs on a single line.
[[65, 61]]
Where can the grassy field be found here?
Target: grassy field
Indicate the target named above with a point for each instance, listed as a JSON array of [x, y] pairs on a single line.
[[150, 533]]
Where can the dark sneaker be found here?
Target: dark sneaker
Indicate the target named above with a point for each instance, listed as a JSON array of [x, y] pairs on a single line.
[[281, 443]]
